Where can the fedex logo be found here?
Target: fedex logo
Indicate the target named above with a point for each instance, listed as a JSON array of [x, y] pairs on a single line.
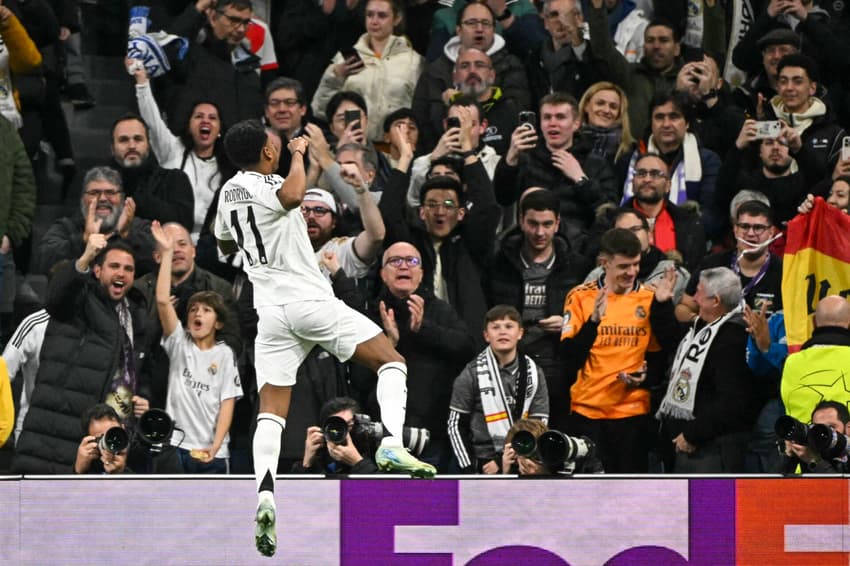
[[599, 522]]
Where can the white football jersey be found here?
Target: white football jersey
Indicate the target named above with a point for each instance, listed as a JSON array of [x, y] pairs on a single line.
[[276, 251], [350, 263]]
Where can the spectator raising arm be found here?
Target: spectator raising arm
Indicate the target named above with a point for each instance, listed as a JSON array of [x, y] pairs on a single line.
[[368, 242], [164, 300], [166, 146]]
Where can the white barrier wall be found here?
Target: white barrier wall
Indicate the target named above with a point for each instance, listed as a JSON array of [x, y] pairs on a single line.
[[445, 522]]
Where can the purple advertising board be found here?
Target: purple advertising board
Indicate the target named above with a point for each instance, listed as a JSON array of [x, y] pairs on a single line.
[[444, 522]]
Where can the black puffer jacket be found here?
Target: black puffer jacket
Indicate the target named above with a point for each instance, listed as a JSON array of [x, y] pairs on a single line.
[[79, 356], [435, 355], [579, 201], [463, 253], [503, 283]]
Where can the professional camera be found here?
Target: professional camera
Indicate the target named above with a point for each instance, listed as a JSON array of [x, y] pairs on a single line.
[[789, 428], [820, 438], [113, 440], [556, 450], [335, 429], [524, 444], [155, 429], [827, 442]]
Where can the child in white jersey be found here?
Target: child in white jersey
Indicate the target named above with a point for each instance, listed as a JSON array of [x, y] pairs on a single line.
[[203, 383]]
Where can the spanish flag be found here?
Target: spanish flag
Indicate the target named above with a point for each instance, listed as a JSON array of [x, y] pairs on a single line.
[[816, 264]]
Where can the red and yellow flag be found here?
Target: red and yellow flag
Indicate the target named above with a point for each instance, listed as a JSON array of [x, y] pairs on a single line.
[[816, 264]]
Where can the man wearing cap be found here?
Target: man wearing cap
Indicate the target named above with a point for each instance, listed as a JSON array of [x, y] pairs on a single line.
[[321, 212], [817, 35], [763, 77]]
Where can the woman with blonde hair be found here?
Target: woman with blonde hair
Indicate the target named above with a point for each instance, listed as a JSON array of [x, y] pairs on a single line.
[[605, 130]]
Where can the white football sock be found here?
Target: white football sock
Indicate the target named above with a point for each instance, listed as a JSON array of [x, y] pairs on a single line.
[[392, 398], [267, 440]]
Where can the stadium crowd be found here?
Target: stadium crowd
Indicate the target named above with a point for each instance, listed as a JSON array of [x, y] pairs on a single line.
[[566, 215]]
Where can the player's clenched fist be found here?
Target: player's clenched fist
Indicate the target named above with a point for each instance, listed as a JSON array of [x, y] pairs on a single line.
[[298, 144]]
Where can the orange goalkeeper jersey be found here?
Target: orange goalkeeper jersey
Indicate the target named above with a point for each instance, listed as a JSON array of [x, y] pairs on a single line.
[[624, 335]]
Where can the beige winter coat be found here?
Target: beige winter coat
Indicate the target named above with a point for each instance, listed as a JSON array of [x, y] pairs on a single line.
[[386, 82]]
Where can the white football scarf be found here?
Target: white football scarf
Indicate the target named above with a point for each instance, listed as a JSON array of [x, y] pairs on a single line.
[[494, 404], [688, 169], [687, 369]]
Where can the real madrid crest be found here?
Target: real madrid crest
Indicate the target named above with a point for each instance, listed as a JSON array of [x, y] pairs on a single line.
[[683, 386]]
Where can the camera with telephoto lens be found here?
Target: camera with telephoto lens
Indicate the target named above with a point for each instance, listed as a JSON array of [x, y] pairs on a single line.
[[113, 440], [827, 442], [524, 444], [556, 450], [155, 429], [819, 437], [335, 430], [789, 428]]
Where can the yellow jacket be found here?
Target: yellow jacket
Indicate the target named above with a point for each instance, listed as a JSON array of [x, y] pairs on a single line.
[[7, 405], [24, 56]]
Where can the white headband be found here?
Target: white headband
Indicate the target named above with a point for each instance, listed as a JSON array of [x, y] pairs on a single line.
[[322, 196]]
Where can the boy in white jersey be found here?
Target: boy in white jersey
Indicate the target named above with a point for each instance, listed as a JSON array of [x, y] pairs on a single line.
[[203, 382], [259, 214]]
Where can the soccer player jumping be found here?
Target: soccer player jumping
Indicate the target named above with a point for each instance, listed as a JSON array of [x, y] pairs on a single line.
[[259, 214]]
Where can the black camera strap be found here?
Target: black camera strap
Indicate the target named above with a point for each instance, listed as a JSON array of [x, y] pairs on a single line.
[[521, 386]]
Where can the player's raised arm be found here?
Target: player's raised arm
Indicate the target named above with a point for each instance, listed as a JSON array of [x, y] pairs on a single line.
[[291, 192], [254, 148]]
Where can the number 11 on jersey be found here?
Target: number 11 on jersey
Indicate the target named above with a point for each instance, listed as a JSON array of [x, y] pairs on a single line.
[[254, 251]]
